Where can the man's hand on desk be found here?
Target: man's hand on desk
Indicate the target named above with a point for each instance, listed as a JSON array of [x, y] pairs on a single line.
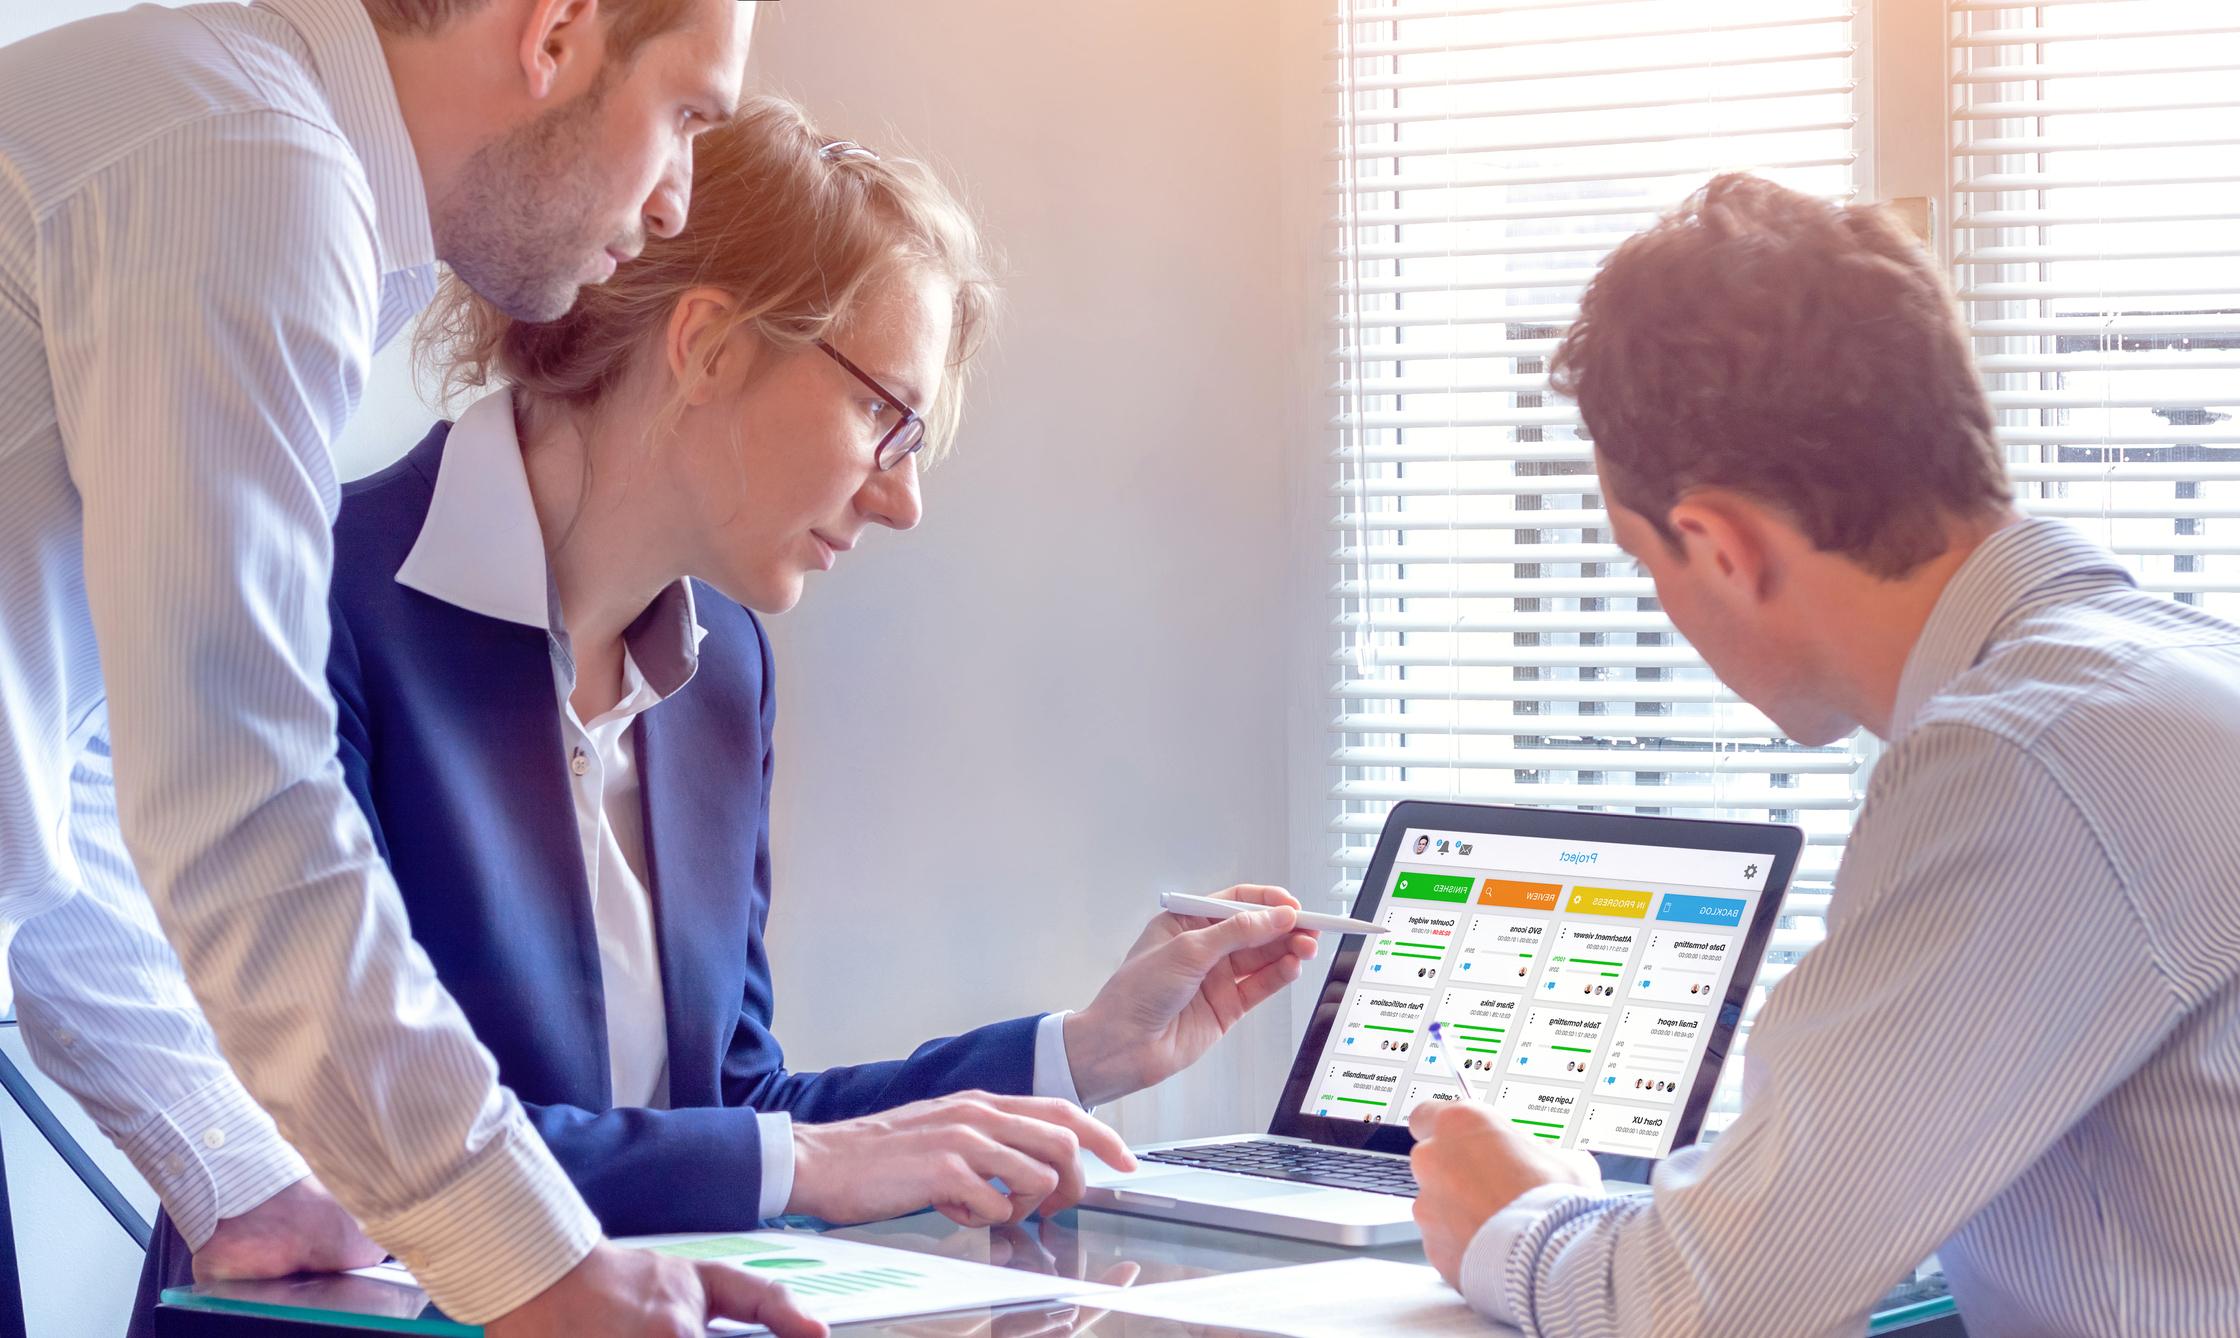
[[1468, 1168], [301, 1229], [1183, 985], [619, 1293], [944, 1152]]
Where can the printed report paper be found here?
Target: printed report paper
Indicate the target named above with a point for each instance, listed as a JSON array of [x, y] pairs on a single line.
[[844, 1281], [1345, 1298], [849, 1282]]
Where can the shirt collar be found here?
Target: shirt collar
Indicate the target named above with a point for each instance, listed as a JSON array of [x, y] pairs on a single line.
[[346, 57], [481, 549], [2027, 563]]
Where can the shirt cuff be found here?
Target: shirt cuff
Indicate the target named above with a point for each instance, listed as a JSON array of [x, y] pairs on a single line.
[[776, 1128], [214, 1154], [1053, 1072], [1485, 1265], [503, 1231]]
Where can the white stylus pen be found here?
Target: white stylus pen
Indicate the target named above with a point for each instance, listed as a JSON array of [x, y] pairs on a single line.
[[1459, 1081], [1213, 908]]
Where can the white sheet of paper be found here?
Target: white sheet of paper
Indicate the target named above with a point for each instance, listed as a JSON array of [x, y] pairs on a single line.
[[850, 1282], [845, 1281], [1344, 1298]]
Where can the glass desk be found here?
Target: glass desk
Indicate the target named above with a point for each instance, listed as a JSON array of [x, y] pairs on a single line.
[[1101, 1247]]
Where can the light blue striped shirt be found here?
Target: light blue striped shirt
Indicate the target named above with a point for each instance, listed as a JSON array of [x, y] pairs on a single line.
[[2019, 1045], [209, 219]]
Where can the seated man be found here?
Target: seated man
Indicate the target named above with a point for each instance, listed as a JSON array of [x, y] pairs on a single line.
[[2019, 1046]]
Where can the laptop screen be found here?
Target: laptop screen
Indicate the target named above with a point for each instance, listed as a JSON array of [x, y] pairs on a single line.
[[1577, 985]]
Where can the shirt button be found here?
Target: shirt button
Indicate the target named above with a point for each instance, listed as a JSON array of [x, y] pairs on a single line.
[[579, 764], [213, 1139], [171, 1166], [68, 1040]]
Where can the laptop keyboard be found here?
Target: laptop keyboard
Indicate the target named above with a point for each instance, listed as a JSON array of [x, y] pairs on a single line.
[[1308, 1163]]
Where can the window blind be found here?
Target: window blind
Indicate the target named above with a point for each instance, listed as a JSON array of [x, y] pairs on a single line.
[[2096, 183], [1491, 643]]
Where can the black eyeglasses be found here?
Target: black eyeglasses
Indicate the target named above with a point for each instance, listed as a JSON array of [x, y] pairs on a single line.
[[906, 436]]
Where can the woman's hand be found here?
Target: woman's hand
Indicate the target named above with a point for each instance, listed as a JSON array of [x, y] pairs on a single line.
[[1184, 984], [944, 1153]]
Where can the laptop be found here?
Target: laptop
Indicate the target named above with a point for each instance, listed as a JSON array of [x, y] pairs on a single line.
[[1587, 971]]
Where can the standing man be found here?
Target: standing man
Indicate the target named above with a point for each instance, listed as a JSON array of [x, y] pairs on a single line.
[[2019, 1045], [210, 218]]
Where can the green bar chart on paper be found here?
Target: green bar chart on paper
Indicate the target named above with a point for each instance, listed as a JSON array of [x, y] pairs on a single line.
[[842, 1281], [801, 1273]]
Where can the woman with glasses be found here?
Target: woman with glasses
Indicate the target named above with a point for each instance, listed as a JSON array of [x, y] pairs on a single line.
[[556, 700]]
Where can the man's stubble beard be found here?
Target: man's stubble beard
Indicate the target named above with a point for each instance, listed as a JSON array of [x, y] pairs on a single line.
[[520, 226]]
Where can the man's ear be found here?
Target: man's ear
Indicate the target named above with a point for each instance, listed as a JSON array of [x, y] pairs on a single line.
[[700, 346], [563, 43], [1732, 536]]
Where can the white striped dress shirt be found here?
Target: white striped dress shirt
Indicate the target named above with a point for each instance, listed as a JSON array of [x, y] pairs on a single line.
[[209, 220], [2018, 1046]]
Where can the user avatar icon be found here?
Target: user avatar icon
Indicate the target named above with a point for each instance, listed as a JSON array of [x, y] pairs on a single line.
[[1423, 843]]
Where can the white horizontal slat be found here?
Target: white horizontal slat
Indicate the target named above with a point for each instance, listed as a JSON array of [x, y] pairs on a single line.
[[1563, 415], [1440, 586], [1561, 244], [1635, 691], [2016, 74], [2112, 360], [2169, 286], [2042, 36], [1388, 319], [1500, 555], [2021, 8], [2197, 249], [1732, 761], [2031, 109], [1518, 452], [1526, 624], [2142, 397], [1739, 725], [1482, 147], [1635, 204], [1449, 113], [1424, 384], [1416, 355], [1563, 278], [2133, 219], [1499, 521], [1455, 586], [1512, 40], [1385, 14], [2029, 145], [1737, 796], [1990, 183], [1496, 520], [1833, 51], [2110, 327], [1691, 173], [1536, 657]]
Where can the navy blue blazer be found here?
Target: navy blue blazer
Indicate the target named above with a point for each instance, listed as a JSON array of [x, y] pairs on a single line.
[[450, 737]]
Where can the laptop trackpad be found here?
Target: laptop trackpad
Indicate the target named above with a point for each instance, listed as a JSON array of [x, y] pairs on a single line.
[[1213, 1187]]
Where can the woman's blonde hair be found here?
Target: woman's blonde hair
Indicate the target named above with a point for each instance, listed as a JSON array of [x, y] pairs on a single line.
[[789, 222]]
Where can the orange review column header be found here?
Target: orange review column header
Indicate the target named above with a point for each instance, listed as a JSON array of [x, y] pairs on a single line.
[[1520, 896]]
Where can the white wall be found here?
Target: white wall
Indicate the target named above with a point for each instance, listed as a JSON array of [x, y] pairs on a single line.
[[1002, 734]]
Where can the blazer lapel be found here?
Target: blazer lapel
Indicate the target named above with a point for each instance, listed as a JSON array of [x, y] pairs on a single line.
[[700, 761]]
